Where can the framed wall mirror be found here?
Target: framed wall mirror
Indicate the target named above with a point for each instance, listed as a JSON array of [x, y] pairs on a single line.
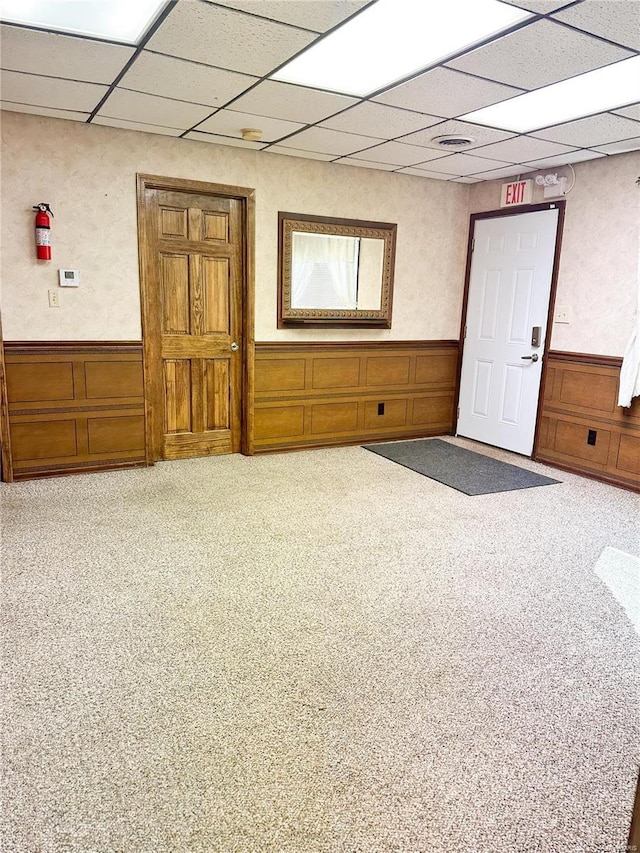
[[334, 272]]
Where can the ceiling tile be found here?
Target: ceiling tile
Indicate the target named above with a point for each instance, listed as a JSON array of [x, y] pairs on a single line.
[[184, 81], [507, 172], [617, 20], [366, 164], [379, 120], [294, 103], [297, 152], [466, 180], [464, 164], [482, 135], [536, 55], [446, 93], [50, 92], [521, 149], [328, 141], [423, 173], [227, 39], [592, 131], [218, 49], [43, 111], [542, 6], [620, 147], [630, 112], [320, 16], [223, 140], [398, 154], [150, 109], [564, 159], [136, 125], [61, 56], [230, 123]]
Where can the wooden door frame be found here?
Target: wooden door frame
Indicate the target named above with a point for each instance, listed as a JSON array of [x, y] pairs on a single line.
[[5, 435], [560, 204], [152, 389]]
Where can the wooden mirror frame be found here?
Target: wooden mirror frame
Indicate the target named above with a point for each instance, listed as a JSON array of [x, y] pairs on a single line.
[[290, 317]]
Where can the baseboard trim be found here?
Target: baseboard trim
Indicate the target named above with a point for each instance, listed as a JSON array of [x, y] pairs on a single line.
[[78, 468], [367, 439]]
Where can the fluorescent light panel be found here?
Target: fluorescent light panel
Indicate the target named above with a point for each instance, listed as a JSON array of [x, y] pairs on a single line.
[[395, 38], [116, 20], [594, 92]]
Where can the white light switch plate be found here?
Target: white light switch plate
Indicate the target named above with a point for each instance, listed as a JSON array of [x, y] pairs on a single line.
[[561, 314]]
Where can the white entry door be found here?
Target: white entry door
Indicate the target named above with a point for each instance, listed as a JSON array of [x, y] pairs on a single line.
[[509, 289]]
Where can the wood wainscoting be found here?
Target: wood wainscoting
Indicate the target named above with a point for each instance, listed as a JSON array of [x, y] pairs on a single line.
[[582, 429], [74, 406], [320, 394]]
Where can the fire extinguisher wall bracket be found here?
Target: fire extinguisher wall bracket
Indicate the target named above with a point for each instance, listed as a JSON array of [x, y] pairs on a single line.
[[43, 230]]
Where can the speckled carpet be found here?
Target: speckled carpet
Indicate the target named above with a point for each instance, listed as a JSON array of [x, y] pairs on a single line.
[[315, 652]]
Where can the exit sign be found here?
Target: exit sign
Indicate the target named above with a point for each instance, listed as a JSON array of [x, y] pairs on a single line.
[[518, 192]]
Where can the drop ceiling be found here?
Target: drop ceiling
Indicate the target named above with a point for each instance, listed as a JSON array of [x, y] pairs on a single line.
[[203, 72]]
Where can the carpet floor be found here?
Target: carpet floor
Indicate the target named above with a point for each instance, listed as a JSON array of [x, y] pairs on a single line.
[[315, 652]]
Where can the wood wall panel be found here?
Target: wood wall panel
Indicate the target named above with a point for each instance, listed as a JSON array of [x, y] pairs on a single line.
[[385, 414], [387, 370], [47, 381], [335, 373], [579, 405], [41, 439], [589, 390], [278, 422], [75, 406], [113, 434], [629, 454], [320, 394], [334, 417], [435, 368], [104, 379], [281, 375], [571, 440], [433, 411]]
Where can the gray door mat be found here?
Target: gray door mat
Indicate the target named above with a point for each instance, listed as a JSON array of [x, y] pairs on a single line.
[[464, 470]]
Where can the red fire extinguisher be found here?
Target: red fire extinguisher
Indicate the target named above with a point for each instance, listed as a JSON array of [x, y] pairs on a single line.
[[43, 231]]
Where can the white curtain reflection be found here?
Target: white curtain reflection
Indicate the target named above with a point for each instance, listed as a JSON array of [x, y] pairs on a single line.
[[324, 271]]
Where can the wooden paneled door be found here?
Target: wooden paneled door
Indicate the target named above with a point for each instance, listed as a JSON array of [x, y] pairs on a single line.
[[197, 315]]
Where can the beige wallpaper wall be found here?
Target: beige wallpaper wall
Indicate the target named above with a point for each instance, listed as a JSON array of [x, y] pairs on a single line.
[[598, 275], [87, 174]]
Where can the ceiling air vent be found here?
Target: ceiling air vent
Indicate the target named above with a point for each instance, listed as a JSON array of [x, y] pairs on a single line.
[[453, 141]]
